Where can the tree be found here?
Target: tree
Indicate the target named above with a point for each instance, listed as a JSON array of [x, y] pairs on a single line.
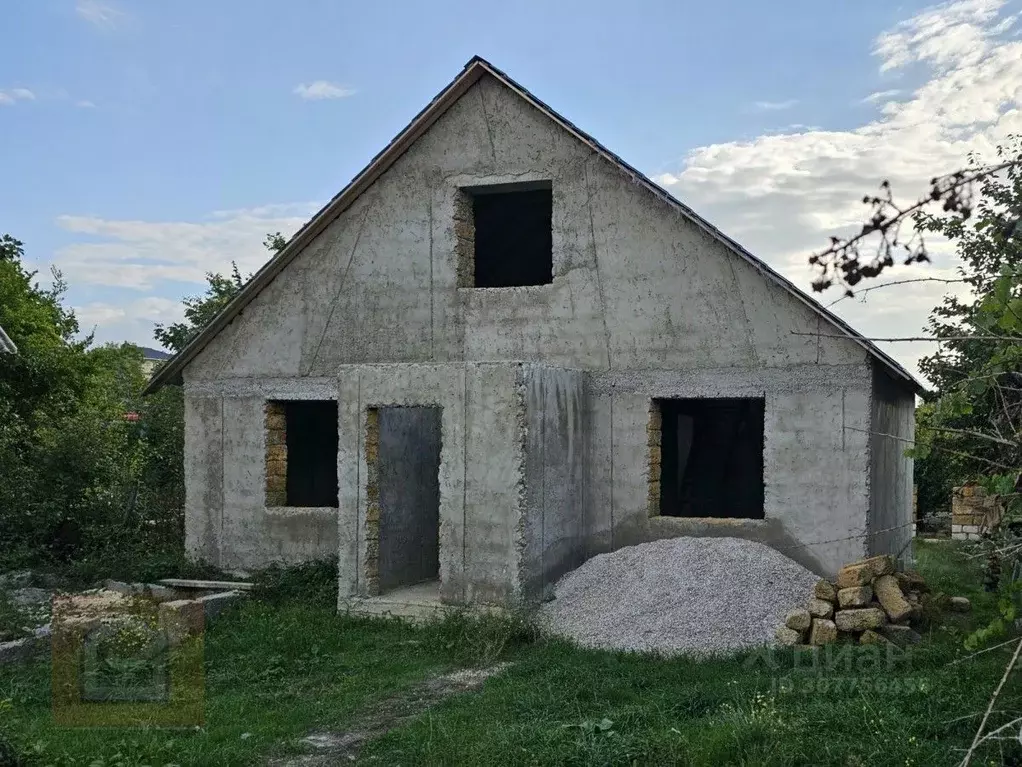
[[845, 264], [201, 310]]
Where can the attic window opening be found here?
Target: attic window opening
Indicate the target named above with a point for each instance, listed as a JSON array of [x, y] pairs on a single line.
[[301, 453], [707, 458], [505, 235]]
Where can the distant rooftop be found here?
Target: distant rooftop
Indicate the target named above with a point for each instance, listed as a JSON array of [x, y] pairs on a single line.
[[155, 355]]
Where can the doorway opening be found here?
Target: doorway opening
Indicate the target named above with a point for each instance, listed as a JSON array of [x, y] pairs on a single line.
[[403, 509]]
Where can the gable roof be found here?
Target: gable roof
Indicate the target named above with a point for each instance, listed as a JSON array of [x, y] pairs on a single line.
[[473, 71], [6, 344]]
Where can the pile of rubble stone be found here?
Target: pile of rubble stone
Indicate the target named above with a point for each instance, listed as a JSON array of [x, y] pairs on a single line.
[[871, 602]]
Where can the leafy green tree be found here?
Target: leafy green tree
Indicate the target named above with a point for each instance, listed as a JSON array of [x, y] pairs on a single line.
[[201, 310], [975, 410]]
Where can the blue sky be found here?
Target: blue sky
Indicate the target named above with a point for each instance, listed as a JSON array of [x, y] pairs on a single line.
[[144, 142]]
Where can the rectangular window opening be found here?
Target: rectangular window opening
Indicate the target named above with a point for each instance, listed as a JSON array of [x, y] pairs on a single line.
[[505, 233], [301, 453], [711, 457]]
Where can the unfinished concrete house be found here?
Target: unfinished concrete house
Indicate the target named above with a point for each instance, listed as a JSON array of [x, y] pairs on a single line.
[[500, 351]]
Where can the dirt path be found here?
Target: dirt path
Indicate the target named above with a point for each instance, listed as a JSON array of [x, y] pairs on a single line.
[[341, 747]]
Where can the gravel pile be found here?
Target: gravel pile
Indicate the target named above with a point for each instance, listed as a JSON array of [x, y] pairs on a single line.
[[679, 595]]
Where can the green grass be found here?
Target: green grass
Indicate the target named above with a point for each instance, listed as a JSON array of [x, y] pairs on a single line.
[[277, 668]]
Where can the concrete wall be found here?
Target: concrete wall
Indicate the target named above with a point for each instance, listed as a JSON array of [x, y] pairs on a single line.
[[556, 452], [892, 427], [226, 519], [816, 467], [409, 486], [480, 508], [638, 292], [635, 286]]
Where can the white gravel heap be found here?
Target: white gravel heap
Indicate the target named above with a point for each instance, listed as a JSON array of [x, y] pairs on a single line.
[[679, 595]]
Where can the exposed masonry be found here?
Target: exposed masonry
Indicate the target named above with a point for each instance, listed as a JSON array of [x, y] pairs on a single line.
[[973, 512], [654, 437], [464, 238], [372, 514], [276, 454]]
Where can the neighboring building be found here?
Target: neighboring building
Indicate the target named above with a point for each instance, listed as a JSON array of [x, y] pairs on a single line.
[[151, 358], [6, 344], [501, 350]]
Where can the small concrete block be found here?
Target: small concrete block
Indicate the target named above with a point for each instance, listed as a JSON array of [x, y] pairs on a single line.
[[956, 528], [860, 619], [188, 583], [856, 596], [869, 636], [788, 637], [275, 421], [654, 455], [820, 608], [823, 632], [798, 620], [959, 536], [182, 618], [214, 604], [825, 590], [972, 536], [22, 649], [891, 598]]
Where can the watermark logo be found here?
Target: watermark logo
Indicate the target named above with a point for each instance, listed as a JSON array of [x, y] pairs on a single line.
[[838, 669], [120, 662]]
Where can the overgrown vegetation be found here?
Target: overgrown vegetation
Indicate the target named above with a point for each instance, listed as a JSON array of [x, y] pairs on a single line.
[[279, 669], [91, 473]]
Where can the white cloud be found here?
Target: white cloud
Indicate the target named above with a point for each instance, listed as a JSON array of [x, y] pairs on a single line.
[[774, 106], [132, 321], [99, 13], [783, 195], [322, 89], [85, 104], [878, 96], [11, 97], [143, 254]]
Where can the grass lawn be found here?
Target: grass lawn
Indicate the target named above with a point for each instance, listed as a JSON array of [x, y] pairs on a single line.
[[278, 669]]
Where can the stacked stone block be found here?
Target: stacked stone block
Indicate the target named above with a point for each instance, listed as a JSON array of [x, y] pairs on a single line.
[[973, 512], [372, 517], [870, 603], [465, 239], [654, 432], [276, 455]]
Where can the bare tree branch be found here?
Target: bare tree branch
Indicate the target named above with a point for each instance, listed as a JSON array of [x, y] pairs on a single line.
[[842, 262], [895, 282], [970, 433], [982, 725], [935, 447]]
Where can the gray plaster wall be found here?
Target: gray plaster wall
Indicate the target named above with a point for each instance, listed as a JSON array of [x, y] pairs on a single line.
[[892, 432], [227, 522], [635, 285], [409, 486], [639, 296], [556, 453], [815, 454], [481, 471]]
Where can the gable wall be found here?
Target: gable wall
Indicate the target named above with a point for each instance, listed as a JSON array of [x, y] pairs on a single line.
[[643, 298], [636, 285]]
